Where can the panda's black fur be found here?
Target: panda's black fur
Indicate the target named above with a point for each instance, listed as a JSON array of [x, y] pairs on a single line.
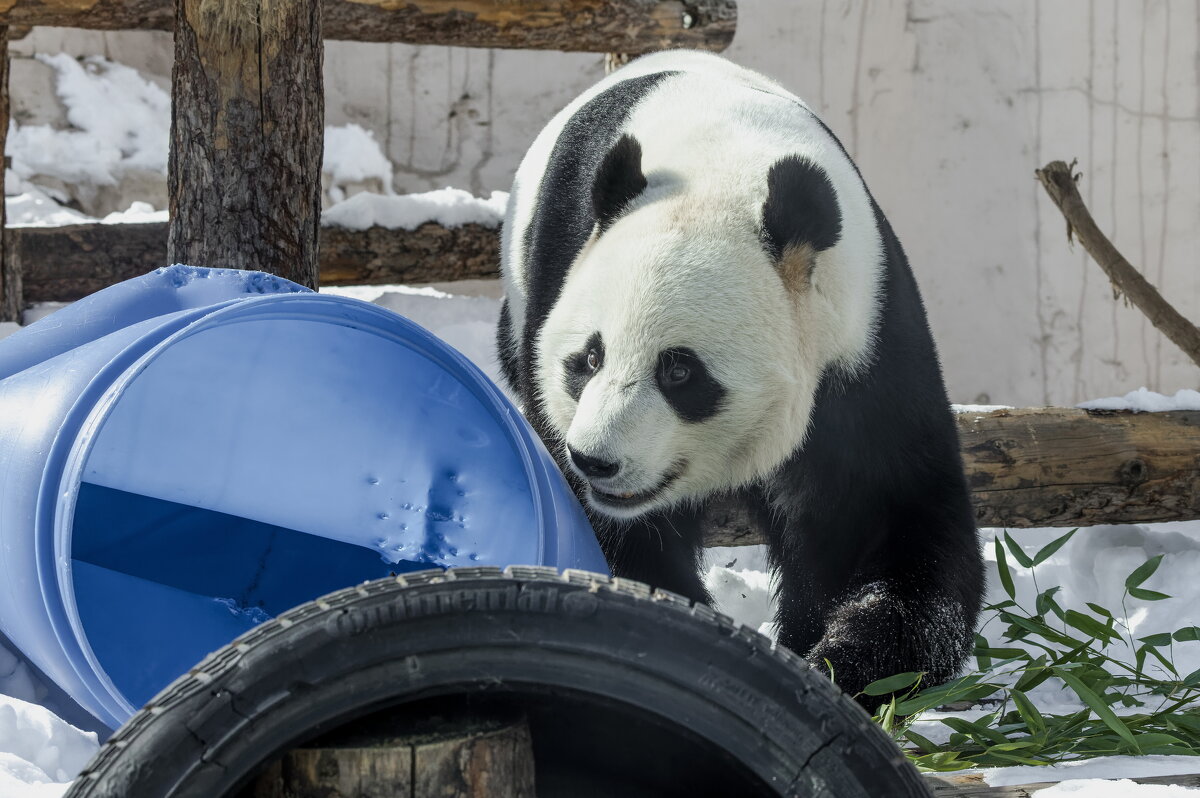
[[871, 533]]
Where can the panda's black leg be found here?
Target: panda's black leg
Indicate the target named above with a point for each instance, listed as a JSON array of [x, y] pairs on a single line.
[[662, 549], [885, 627]]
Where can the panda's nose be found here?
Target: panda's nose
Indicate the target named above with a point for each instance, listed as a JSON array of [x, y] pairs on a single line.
[[593, 466]]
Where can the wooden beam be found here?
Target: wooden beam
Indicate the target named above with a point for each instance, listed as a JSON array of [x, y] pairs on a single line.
[[625, 26], [1059, 467], [62, 264], [12, 299], [247, 121]]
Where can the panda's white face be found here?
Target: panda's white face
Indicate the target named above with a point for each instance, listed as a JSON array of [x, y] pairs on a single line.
[[674, 363]]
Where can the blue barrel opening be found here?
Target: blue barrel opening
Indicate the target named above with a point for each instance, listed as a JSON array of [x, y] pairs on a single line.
[[211, 468]]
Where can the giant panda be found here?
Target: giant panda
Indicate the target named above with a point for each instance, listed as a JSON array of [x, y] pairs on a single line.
[[704, 305]]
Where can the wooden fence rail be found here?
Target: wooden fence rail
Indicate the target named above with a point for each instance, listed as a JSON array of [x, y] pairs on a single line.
[[599, 26]]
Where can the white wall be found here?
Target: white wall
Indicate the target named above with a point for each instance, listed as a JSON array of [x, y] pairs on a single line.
[[948, 107]]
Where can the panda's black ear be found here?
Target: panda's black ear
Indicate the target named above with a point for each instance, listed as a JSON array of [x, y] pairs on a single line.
[[801, 211], [618, 180]]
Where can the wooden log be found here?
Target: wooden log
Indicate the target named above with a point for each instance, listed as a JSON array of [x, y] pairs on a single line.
[[1058, 467], [625, 26], [948, 786], [62, 264], [247, 121], [461, 757], [12, 300]]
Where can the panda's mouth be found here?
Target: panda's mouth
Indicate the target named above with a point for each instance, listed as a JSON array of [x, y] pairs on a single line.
[[629, 499]]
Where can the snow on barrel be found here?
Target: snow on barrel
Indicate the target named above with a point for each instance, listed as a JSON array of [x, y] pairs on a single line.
[[194, 451]]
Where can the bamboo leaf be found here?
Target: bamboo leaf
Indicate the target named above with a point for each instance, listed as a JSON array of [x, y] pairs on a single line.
[[1089, 626], [1097, 705], [1047, 551], [1033, 719], [1143, 571], [1017, 552], [1006, 579], [1096, 608], [891, 684], [1147, 595], [1187, 633]]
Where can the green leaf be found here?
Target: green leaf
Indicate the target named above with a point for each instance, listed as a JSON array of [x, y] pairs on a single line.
[[924, 744], [1047, 551], [1002, 653], [1090, 626], [1187, 633], [1143, 572], [1033, 719], [891, 684], [974, 730], [1192, 679], [1045, 603], [1098, 705], [1017, 552], [1096, 608], [1162, 639], [1006, 579], [1147, 595]]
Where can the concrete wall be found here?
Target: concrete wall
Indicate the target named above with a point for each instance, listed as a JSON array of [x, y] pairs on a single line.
[[948, 107]]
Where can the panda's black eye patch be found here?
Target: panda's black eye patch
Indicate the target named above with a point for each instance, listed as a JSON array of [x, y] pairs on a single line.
[[693, 393], [578, 367]]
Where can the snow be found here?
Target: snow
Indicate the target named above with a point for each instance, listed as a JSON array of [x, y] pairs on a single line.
[[1097, 788], [7, 328], [120, 122], [451, 207], [1146, 401], [978, 408], [1107, 767], [352, 155], [39, 753]]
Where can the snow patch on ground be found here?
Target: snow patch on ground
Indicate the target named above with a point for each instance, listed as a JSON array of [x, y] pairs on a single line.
[[978, 408], [1107, 767], [39, 753], [7, 328], [1146, 401], [451, 207]]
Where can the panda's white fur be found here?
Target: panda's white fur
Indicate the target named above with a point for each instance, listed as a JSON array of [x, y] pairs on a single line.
[[685, 260], [687, 211]]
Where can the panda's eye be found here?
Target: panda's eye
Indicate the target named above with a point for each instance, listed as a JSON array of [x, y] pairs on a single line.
[[675, 368], [678, 375], [593, 360]]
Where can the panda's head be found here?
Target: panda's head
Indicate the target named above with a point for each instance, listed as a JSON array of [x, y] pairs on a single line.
[[681, 357]]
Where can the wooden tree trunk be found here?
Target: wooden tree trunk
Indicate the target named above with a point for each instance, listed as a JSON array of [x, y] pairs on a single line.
[[463, 758], [11, 298], [246, 136]]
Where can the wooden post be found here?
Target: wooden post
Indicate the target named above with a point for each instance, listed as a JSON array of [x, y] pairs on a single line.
[[11, 298], [247, 119], [460, 758]]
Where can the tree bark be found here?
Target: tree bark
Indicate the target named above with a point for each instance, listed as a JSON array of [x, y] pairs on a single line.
[[247, 118], [12, 299], [62, 264], [464, 758], [1056, 177], [626, 26]]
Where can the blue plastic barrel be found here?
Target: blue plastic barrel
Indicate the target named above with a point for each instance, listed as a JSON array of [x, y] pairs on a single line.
[[191, 452]]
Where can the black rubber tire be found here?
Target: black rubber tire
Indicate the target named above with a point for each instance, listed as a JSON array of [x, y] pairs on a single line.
[[433, 633]]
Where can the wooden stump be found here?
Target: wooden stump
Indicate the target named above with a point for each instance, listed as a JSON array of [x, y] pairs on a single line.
[[247, 117], [439, 758]]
